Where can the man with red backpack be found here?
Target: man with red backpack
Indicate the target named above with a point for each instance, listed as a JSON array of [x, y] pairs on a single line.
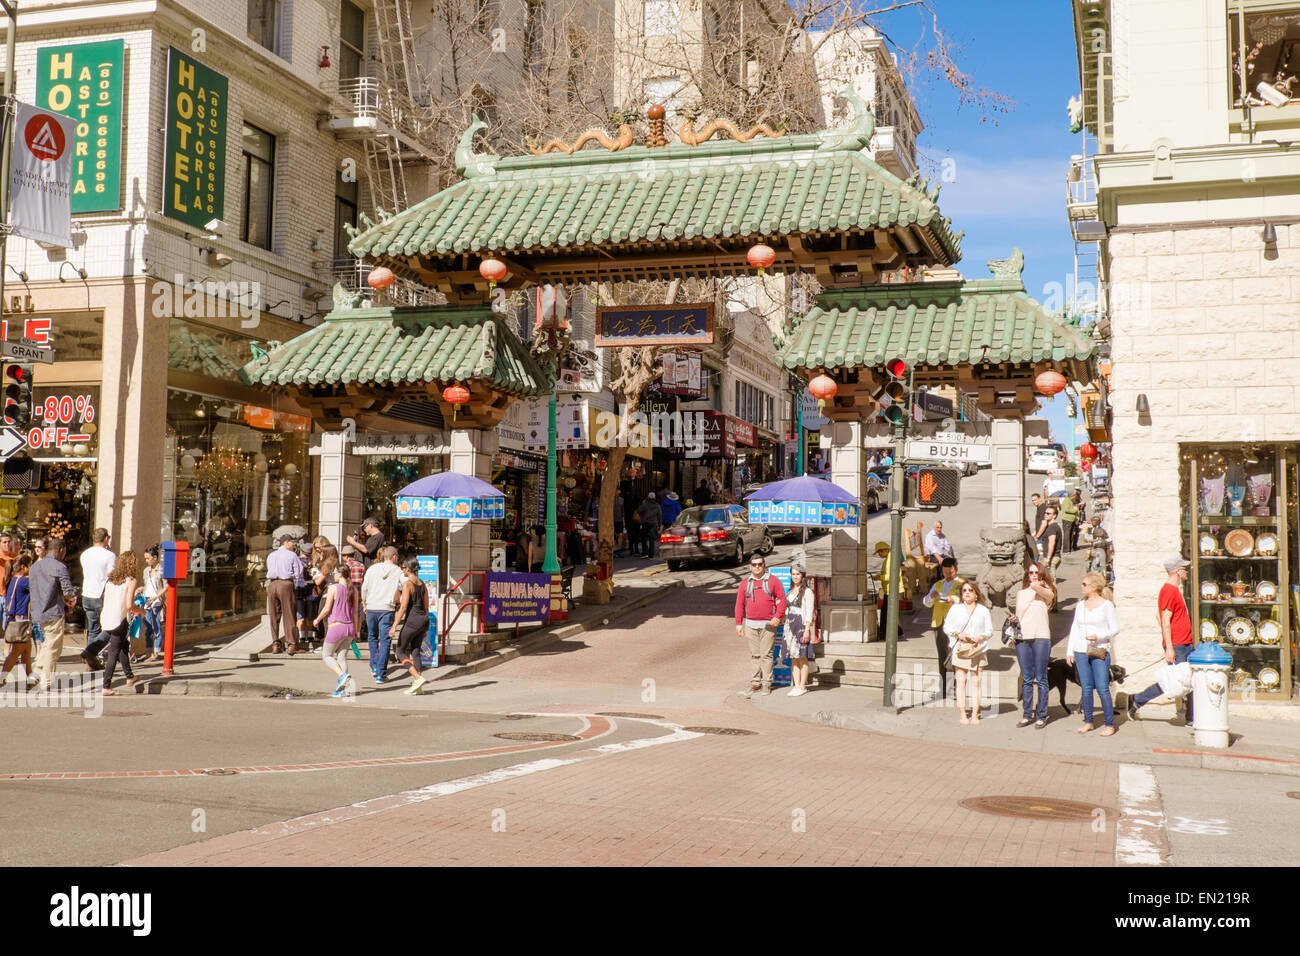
[[760, 607]]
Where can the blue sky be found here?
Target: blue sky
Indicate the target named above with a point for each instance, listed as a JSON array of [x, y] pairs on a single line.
[[1010, 168]]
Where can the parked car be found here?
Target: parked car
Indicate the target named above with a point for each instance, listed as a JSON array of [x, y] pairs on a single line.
[[1043, 460], [713, 533]]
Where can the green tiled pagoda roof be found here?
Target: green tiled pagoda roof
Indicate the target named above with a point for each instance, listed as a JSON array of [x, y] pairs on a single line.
[[932, 324], [398, 347], [813, 184]]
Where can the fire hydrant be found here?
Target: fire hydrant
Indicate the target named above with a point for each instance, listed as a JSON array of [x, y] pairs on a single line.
[[1210, 664]]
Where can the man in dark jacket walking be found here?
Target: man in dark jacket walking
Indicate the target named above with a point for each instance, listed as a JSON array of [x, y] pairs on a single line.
[[760, 607], [648, 519]]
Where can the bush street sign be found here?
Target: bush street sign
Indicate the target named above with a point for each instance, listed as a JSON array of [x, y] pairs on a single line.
[[952, 453]]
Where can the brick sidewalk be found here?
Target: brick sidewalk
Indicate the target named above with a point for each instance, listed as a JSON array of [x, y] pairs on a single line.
[[868, 800]]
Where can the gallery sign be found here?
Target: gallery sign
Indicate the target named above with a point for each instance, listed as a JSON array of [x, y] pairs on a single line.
[[655, 325], [194, 157], [40, 185], [83, 81]]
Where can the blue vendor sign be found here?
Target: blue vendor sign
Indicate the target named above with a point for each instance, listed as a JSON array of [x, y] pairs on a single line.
[[514, 598], [473, 508], [817, 514], [781, 676]]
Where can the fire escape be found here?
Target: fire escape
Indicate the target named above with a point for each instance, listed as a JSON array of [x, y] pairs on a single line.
[[388, 112]]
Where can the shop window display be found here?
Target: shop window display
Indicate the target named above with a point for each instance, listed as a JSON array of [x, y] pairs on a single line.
[[385, 476], [234, 477], [1239, 518]]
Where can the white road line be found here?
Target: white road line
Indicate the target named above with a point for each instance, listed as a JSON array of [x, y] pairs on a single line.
[[1140, 838], [447, 788]]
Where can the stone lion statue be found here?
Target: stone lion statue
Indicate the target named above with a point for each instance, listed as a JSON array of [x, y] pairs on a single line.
[[1005, 553]]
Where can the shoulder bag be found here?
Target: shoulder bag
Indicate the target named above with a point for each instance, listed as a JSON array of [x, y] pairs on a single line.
[[1011, 633], [1094, 651], [18, 630]]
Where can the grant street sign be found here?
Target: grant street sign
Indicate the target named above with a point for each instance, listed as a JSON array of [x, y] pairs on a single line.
[[11, 442], [953, 453], [25, 351]]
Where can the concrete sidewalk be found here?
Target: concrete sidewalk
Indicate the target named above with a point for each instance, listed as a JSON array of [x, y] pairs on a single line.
[[210, 670]]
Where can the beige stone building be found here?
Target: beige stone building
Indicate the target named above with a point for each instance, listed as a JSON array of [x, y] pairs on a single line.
[[1197, 206]]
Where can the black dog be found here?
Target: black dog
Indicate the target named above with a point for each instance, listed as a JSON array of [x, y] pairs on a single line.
[[1060, 671]]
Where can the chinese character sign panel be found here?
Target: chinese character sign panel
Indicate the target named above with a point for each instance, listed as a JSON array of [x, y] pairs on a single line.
[[84, 83], [194, 178], [658, 325]]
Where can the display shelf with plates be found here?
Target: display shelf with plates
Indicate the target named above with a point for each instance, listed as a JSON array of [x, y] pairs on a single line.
[[1239, 504]]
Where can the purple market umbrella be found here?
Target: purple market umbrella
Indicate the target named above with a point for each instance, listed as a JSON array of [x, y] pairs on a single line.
[[805, 501], [803, 488], [450, 485]]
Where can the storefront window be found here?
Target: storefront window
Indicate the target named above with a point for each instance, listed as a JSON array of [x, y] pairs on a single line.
[[1239, 519], [234, 477], [386, 475]]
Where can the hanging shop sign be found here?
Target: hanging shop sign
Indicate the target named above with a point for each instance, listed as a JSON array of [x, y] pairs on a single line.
[[742, 432], [655, 325], [194, 172], [717, 437], [511, 597], [580, 369], [40, 185], [571, 423], [683, 374], [83, 81]]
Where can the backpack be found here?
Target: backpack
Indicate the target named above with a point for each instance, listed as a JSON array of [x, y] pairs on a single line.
[[749, 590]]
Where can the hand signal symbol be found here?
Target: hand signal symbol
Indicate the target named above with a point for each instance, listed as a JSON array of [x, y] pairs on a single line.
[[928, 485]]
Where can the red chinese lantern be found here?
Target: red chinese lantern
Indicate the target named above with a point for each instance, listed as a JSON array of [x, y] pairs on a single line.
[[761, 257], [1050, 382], [380, 278], [494, 270], [1088, 451], [455, 396], [823, 387]]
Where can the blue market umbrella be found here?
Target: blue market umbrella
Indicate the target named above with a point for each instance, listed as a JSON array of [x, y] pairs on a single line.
[[806, 501], [449, 495]]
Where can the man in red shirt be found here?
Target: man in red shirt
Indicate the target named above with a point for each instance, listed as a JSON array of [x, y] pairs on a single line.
[[760, 607], [1175, 629]]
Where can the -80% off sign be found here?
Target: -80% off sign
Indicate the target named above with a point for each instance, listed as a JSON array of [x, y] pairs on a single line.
[[59, 412]]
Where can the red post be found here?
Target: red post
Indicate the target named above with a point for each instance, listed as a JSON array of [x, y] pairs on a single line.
[[169, 629]]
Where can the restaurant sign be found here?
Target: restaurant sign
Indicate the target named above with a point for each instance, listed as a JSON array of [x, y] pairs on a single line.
[[194, 171], [718, 436], [655, 325], [83, 81]]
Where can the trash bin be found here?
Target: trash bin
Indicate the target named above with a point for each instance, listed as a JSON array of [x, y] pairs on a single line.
[[1210, 664]]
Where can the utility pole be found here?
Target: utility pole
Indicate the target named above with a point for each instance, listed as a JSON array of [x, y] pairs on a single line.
[[7, 132], [897, 475]]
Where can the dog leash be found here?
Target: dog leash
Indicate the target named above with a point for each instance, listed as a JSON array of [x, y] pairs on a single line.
[[1158, 660]]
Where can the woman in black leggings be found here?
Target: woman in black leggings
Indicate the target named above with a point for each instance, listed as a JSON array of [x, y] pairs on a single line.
[[115, 618]]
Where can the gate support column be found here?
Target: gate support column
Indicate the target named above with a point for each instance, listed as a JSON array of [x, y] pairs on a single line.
[[847, 616]]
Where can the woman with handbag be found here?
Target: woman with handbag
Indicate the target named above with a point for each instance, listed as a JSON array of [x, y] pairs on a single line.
[[969, 627], [18, 622], [1033, 640], [115, 618], [1095, 625], [154, 591], [800, 627], [412, 623]]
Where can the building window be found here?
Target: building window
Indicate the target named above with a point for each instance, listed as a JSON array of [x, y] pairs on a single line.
[[1272, 50], [352, 40], [345, 214], [755, 406], [259, 185], [264, 24], [662, 18]]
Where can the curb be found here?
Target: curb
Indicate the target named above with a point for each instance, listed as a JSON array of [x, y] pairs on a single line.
[[187, 687], [552, 636]]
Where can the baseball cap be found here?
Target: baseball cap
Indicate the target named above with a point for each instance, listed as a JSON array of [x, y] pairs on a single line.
[[1174, 562], [881, 546]]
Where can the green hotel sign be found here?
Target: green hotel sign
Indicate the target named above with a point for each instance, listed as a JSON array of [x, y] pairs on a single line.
[[194, 177], [84, 81]]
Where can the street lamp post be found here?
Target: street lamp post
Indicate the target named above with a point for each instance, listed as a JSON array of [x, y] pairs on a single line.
[[550, 564]]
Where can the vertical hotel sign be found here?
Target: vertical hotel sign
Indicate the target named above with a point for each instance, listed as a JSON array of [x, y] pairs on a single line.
[[194, 180], [84, 83]]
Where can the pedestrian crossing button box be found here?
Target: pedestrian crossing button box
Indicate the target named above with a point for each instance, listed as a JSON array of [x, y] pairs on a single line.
[[176, 560]]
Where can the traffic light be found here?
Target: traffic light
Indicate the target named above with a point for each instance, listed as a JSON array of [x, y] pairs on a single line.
[[934, 488], [898, 393], [18, 395]]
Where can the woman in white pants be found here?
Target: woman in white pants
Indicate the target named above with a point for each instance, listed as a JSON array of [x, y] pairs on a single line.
[[969, 628]]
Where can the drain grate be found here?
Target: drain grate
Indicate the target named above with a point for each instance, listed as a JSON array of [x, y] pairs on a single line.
[[724, 731], [624, 713], [537, 736], [1038, 808], [221, 772]]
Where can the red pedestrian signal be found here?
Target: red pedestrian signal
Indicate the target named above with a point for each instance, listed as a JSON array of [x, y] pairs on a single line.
[[935, 488]]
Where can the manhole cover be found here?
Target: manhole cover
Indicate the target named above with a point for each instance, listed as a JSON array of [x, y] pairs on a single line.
[[725, 731], [221, 772], [1037, 808], [622, 713], [537, 736]]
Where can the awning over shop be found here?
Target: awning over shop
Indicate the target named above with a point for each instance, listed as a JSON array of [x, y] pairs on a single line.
[[986, 336], [647, 212], [360, 361]]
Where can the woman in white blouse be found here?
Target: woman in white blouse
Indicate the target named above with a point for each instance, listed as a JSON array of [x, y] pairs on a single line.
[[969, 628], [800, 627], [1094, 627]]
